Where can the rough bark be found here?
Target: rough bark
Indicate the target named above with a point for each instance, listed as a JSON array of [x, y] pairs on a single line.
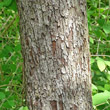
[[54, 38]]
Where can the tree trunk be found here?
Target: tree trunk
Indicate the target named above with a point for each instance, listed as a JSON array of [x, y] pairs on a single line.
[[54, 38]]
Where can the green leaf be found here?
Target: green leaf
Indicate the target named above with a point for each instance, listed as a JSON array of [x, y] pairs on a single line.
[[108, 75], [100, 98], [1, 38], [7, 2], [6, 105], [18, 47], [101, 22], [94, 87], [101, 88], [13, 6], [92, 61], [106, 28], [11, 102], [97, 32], [101, 65], [107, 63], [23, 108], [100, 9], [1, 5], [107, 87], [91, 40], [2, 95], [13, 67]]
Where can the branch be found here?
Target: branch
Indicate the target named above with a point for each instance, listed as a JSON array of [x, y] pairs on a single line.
[[100, 55]]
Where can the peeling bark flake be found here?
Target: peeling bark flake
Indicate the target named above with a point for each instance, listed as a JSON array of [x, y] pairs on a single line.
[[53, 47], [53, 105]]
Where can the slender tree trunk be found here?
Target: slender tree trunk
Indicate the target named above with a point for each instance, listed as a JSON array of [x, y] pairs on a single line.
[[54, 38]]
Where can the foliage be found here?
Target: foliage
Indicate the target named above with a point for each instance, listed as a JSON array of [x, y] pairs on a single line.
[[11, 78], [98, 13], [11, 90]]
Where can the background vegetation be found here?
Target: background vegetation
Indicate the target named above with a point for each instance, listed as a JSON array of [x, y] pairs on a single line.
[[11, 78]]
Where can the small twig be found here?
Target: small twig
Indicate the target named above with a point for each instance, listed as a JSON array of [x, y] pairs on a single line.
[[100, 55], [5, 22], [98, 46], [10, 38], [99, 8], [8, 85], [102, 41], [10, 57], [108, 11], [2, 75], [8, 26], [14, 73], [5, 99], [4, 44], [100, 104]]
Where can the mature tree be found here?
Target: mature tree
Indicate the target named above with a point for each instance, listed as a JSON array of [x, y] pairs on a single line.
[[54, 38]]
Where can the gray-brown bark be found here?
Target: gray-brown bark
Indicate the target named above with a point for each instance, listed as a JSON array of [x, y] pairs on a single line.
[[54, 37]]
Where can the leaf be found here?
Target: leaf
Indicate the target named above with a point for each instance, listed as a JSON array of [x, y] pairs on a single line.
[[6, 105], [108, 75], [7, 2], [97, 32], [1, 38], [1, 5], [94, 87], [106, 28], [11, 102], [100, 98], [18, 47], [2, 95], [101, 65], [101, 9], [91, 40], [92, 61], [107, 63], [23, 108], [101, 88], [13, 5], [107, 87], [13, 67], [98, 58], [101, 22]]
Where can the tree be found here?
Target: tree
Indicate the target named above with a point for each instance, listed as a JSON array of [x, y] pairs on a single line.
[[54, 38]]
